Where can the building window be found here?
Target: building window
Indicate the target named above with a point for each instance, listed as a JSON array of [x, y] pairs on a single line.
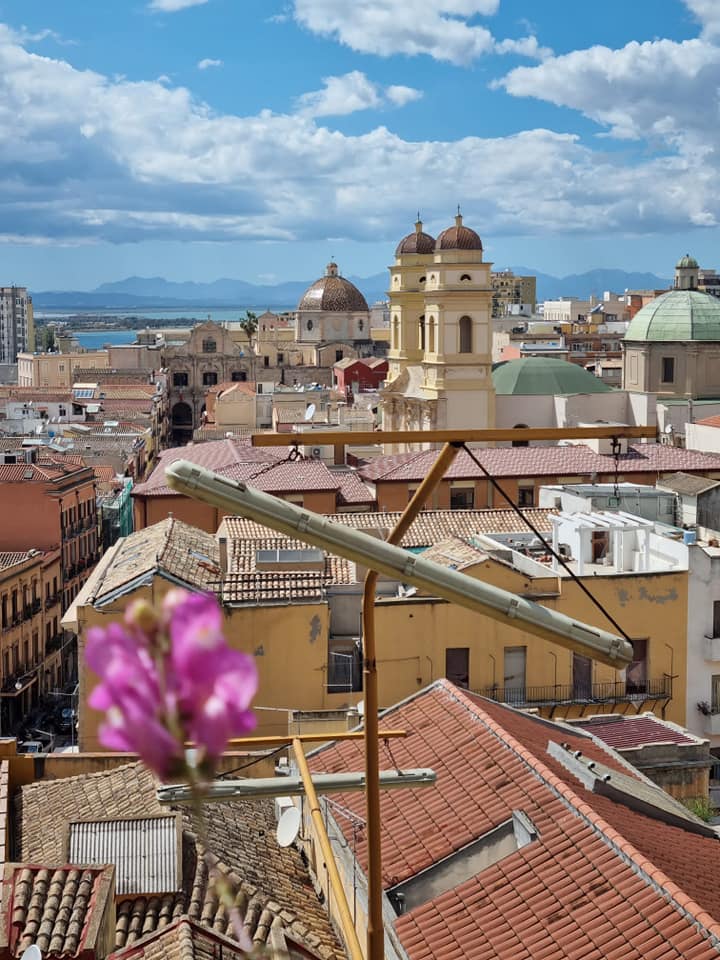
[[266, 362], [281, 358], [180, 379], [421, 333], [462, 498], [668, 369], [465, 276], [239, 375], [209, 378], [209, 346], [637, 672], [431, 338], [520, 443], [338, 356], [526, 496], [716, 618], [465, 335], [457, 666]]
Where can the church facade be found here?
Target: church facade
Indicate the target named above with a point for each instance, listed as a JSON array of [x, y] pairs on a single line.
[[440, 364]]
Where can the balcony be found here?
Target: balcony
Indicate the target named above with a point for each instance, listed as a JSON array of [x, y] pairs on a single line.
[[53, 644], [595, 693], [51, 600], [712, 648], [36, 605]]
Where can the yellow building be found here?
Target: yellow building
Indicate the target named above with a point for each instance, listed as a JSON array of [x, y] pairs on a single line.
[[440, 333], [56, 369], [297, 611]]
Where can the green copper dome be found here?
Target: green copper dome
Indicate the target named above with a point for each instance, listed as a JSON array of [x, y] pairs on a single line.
[[544, 377], [678, 315], [687, 263]]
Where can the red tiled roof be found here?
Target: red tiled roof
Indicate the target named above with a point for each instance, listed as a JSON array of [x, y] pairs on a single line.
[[214, 455], [543, 461], [15, 472], [629, 732], [709, 422], [352, 489], [287, 477], [104, 472], [600, 882]]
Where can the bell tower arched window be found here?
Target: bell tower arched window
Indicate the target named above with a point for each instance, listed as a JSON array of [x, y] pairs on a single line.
[[466, 344], [431, 336], [421, 333]]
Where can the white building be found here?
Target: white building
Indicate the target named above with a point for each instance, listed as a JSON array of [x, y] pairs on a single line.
[[15, 322]]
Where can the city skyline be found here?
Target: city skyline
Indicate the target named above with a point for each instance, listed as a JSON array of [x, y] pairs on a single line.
[[195, 139]]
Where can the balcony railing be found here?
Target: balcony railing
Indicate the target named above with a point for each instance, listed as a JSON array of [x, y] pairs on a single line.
[[36, 605], [53, 643], [554, 694], [51, 600]]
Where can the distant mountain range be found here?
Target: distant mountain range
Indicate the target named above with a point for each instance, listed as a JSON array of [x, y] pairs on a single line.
[[155, 292]]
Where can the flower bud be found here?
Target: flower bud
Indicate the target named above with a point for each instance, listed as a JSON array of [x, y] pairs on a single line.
[[142, 616]]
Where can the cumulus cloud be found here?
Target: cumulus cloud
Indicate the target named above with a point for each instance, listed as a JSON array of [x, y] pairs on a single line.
[[661, 91], [352, 92], [400, 95], [172, 6], [208, 62], [707, 12], [88, 157], [443, 29]]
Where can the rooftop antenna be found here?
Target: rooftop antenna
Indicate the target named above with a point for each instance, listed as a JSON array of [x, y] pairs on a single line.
[[287, 829]]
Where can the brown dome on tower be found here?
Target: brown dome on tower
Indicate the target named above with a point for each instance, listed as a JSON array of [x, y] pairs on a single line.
[[417, 242], [458, 238], [332, 293]]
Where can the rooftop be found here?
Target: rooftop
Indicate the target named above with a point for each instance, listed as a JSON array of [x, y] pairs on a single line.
[[570, 460], [627, 733], [169, 547], [274, 886], [607, 868], [545, 376], [686, 484]]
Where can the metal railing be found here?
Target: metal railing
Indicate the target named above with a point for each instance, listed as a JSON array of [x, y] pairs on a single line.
[[620, 691]]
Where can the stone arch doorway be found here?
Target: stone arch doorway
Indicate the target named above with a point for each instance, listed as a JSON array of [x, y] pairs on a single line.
[[182, 423]]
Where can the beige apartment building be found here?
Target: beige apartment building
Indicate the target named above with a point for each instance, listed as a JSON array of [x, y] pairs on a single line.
[[512, 294], [56, 369]]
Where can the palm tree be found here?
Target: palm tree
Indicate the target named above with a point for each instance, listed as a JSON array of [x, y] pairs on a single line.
[[248, 324]]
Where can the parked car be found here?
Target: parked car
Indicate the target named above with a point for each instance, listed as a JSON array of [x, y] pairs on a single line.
[[31, 746]]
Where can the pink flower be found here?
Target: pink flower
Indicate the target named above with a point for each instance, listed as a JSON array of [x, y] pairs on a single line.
[[169, 679]]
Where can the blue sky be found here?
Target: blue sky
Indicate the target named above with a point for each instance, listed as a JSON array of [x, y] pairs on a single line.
[[194, 139]]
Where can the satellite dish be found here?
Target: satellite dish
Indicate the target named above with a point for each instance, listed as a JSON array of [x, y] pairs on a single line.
[[668, 428], [32, 953], [287, 829], [310, 412]]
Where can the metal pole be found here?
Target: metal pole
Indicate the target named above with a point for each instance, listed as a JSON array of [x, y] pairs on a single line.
[[346, 921], [376, 930]]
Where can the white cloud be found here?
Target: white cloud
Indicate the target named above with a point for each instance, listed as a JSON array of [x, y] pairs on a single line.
[[87, 157], [443, 29], [707, 12], [352, 92], [400, 95], [661, 91], [525, 47], [172, 6], [208, 62]]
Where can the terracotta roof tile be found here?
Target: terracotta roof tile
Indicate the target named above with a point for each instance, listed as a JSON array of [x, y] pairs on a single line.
[[273, 885], [11, 559], [621, 732], [428, 528], [576, 459], [571, 892]]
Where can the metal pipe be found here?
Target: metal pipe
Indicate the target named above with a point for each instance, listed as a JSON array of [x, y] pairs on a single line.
[[254, 788], [236, 497], [346, 921], [376, 927], [364, 437]]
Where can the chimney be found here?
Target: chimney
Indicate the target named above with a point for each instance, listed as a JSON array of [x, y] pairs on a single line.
[[222, 544]]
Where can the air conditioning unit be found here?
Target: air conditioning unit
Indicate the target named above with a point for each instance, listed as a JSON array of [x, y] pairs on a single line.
[[315, 451]]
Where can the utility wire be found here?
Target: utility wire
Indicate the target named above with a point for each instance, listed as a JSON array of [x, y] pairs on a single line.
[[548, 547]]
